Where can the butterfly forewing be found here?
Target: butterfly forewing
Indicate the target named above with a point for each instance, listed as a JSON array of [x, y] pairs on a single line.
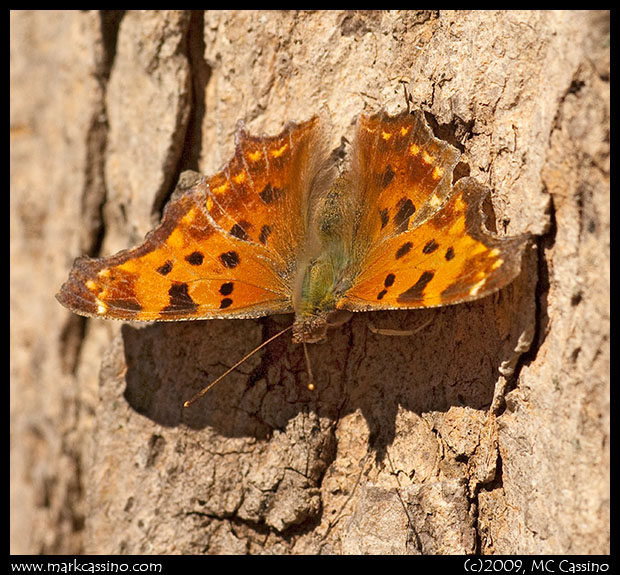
[[259, 195], [226, 247], [400, 172]]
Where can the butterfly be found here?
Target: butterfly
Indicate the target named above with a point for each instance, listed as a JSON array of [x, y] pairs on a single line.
[[283, 228]]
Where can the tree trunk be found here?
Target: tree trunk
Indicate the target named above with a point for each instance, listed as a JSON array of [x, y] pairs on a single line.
[[485, 432]]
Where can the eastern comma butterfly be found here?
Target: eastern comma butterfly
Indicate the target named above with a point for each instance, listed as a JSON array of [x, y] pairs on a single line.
[[278, 229]]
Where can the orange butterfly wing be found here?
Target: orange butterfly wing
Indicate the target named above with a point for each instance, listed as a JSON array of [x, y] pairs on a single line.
[[226, 247], [422, 242]]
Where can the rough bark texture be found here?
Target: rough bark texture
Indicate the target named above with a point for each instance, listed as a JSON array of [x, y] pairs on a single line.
[[487, 432]]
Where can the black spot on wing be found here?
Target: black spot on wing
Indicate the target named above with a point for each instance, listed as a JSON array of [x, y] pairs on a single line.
[[403, 250], [226, 302], [195, 258], [180, 300], [226, 288], [385, 218], [230, 259], [430, 247], [265, 232], [388, 176], [416, 292], [270, 194], [239, 231], [165, 269], [405, 210]]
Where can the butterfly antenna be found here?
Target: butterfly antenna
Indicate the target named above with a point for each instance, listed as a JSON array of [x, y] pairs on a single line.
[[248, 356], [309, 368]]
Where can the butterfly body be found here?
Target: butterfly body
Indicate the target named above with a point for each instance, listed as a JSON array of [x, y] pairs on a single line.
[[325, 272], [277, 230]]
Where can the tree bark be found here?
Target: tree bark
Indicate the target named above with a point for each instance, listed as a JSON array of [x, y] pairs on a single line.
[[486, 432]]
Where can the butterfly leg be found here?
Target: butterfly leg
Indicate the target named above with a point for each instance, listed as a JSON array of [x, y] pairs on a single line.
[[398, 332]]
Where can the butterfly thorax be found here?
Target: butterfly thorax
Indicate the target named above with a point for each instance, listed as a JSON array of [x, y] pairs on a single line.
[[325, 273]]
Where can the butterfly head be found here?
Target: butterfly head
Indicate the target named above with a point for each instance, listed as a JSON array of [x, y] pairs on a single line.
[[313, 329], [310, 330]]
